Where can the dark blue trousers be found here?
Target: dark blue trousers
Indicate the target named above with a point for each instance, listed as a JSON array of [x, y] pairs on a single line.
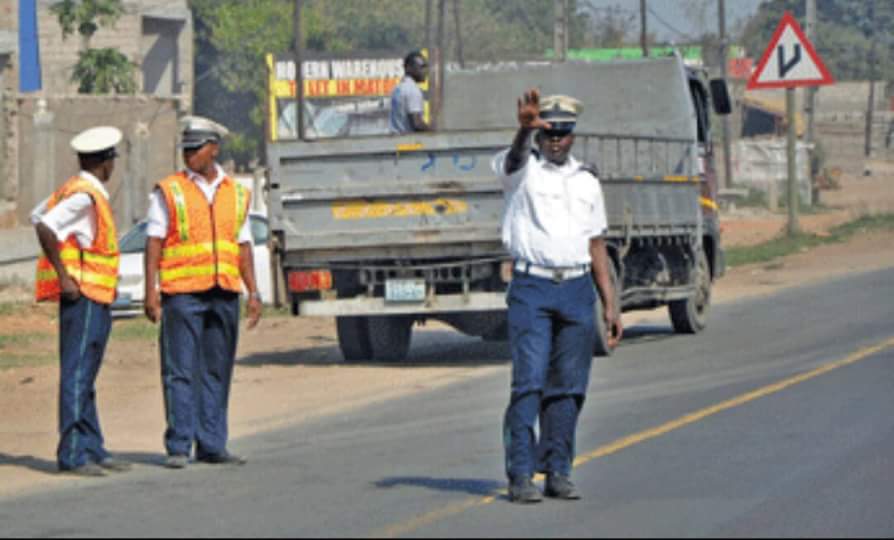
[[199, 333], [84, 328], [551, 333]]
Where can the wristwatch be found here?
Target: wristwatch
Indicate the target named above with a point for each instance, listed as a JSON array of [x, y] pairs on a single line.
[[256, 296]]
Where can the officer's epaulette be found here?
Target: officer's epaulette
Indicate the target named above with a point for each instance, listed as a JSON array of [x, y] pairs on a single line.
[[590, 168]]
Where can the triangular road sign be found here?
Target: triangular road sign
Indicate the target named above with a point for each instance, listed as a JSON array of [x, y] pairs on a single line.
[[790, 60]]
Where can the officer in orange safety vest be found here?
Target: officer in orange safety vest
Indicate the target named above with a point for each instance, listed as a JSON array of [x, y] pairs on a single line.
[[198, 256], [79, 269]]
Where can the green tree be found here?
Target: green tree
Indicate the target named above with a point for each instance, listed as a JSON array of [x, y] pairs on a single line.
[[98, 71]]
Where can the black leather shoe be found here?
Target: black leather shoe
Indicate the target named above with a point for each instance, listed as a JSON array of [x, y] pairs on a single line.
[[558, 486], [176, 462], [524, 492], [115, 464], [224, 459], [87, 470]]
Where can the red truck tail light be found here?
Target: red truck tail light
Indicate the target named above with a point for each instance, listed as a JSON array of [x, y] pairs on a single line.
[[310, 280]]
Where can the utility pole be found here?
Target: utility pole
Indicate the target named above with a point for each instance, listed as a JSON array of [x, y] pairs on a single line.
[[460, 57], [560, 30], [810, 104], [298, 49], [870, 108], [441, 59], [727, 144], [644, 32], [429, 8]]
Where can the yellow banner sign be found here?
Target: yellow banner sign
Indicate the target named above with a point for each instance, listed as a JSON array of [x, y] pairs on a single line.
[[364, 210]]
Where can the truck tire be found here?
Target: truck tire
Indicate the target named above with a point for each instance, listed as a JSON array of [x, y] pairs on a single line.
[[353, 338], [600, 344], [389, 337], [690, 316]]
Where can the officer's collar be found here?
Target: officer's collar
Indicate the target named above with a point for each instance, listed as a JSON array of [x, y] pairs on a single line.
[[196, 177], [569, 165], [94, 181]]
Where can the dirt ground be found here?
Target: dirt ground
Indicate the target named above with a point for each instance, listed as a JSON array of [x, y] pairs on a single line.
[[290, 370]]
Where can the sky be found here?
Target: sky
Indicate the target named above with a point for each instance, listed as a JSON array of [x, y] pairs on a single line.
[[672, 20]]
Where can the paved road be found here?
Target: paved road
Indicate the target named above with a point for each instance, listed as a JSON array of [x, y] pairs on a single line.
[[775, 422]]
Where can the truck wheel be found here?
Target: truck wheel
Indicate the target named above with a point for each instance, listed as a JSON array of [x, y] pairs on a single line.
[[389, 337], [353, 338], [690, 316], [600, 345]]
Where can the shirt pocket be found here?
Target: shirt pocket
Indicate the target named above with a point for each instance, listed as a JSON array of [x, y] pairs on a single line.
[[582, 209], [549, 206]]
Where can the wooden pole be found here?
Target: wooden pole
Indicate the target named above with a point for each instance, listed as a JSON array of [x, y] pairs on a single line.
[[644, 32], [793, 228], [460, 57], [724, 122], [810, 107], [298, 47]]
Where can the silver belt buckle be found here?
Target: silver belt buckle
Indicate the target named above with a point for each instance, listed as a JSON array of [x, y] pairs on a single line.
[[558, 276]]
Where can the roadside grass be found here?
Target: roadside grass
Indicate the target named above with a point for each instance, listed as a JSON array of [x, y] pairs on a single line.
[[26, 349], [9, 308], [134, 330], [10, 361], [784, 245], [20, 340]]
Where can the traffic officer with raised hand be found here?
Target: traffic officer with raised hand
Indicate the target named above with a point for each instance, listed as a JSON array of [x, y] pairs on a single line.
[[553, 227], [79, 268], [198, 255]]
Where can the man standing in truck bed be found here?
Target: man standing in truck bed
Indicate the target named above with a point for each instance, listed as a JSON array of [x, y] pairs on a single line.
[[407, 100], [553, 226]]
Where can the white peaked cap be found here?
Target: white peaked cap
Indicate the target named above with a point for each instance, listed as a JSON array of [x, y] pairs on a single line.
[[198, 130], [96, 140]]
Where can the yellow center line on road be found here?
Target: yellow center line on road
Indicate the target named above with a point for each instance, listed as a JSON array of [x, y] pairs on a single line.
[[419, 522]]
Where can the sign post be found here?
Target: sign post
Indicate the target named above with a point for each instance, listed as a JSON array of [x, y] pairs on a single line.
[[790, 61]]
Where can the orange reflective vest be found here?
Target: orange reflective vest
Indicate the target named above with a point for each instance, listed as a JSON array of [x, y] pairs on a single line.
[[201, 250], [95, 269]]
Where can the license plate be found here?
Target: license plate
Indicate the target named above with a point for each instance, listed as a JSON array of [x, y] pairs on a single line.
[[405, 290]]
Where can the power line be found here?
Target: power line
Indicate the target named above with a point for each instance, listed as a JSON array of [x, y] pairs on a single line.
[[668, 25]]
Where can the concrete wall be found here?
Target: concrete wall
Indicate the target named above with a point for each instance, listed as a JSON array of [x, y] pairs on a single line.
[[136, 36], [148, 152], [157, 35]]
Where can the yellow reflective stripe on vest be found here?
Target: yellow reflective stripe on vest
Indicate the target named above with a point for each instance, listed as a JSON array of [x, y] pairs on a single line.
[[227, 247], [188, 250], [92, 278], [187, 272], [229, 270], [70, 254], [109, 261], [205, 248], [241, 197], [200, 271], [182, 216]]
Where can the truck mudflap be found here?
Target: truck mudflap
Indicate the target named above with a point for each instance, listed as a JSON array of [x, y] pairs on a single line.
[[446, 303]]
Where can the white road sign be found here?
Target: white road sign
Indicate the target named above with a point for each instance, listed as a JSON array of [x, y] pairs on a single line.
[[790, 60]]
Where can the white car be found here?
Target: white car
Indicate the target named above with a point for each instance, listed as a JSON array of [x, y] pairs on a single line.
[[131, 285]]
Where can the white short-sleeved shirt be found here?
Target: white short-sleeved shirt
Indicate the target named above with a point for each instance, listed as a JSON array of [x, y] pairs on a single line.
[[158, 208], [406, 100], [551, 212], [75, 215]]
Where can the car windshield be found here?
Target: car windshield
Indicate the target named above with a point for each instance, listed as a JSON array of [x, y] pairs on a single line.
[[135, 239]]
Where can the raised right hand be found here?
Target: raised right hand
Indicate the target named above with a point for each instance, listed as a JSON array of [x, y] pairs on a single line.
[[529, 111], [152, 306]]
